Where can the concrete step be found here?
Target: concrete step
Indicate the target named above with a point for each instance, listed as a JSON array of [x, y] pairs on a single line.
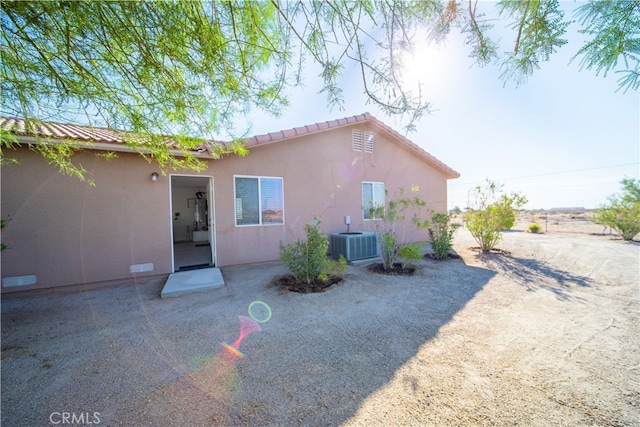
[[186, 282]]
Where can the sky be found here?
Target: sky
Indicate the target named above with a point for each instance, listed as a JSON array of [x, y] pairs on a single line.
[[566, 138]]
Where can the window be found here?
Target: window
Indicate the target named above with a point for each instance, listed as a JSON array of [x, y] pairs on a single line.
[[259, 200], [372, 198]]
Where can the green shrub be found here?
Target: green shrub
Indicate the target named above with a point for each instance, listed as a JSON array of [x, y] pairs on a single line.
[[534, 228], [490, 213], [335, 268], [388, 248], [409, 252], [441, 235], [623, 212], [307, 259], [386, 219]]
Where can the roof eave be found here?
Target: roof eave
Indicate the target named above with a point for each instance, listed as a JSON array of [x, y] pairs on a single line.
[[105, 146]]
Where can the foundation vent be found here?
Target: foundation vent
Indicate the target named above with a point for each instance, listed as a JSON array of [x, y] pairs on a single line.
[[13, 281], [141, 268]]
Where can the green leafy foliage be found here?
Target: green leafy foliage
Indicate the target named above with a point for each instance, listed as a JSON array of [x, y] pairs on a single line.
[[534, 228], [539, 28], [307, 259], [622, 213], [388, 218], [490, 212], [441, 235], [60, 155], [8, 141], [409, 252], [615, 30], [475, 26], [334, 268], [191, 68], [388, 249]]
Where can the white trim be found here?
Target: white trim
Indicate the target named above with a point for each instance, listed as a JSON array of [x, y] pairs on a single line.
[[173, 255], [212, 216], [235, 201], [212, 222]]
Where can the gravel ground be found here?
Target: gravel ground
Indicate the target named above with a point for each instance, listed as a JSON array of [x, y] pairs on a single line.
[[544, 335]]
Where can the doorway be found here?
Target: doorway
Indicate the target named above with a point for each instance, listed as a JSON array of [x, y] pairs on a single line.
[[192, 222]]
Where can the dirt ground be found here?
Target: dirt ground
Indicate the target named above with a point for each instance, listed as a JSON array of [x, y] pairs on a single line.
[[547, 334]]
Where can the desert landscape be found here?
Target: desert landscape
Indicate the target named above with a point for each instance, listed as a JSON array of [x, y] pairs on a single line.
[[543, 333]]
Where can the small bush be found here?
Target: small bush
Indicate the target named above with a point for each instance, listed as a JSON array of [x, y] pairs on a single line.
[[334, 268], [307, 259], [408, 253], [441, 235], [392, 215], [491, 211], [622, 213], [534, 228]]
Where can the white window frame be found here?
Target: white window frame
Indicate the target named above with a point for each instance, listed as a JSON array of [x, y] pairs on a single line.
[[235, 201], [365, 208]]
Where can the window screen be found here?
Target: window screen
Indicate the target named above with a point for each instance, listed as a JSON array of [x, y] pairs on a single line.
[[259, 201]]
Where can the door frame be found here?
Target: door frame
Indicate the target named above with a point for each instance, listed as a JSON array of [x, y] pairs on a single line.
[[211, 223], [211, 216]]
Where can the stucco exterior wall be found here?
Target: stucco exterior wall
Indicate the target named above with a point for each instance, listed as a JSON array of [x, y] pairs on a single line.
[[322, 177], [66, 232], [63, 231]]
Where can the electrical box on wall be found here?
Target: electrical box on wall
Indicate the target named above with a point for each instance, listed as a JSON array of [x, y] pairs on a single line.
[[347, 220]]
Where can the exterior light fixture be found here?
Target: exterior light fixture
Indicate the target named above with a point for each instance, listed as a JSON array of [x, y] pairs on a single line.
[[154, 176]]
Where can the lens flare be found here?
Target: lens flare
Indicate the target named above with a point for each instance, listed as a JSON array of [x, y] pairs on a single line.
[[260, 311], [233, 350], [247, 327]]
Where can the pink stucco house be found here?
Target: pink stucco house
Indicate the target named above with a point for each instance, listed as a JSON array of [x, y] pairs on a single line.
[[138, 222]]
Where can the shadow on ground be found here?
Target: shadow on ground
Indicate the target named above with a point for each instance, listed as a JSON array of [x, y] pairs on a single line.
[[138, 360], [534, 274]]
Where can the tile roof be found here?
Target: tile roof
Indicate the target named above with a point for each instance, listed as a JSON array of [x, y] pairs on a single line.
[[60, 131], [108, 136], [67, 131]]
